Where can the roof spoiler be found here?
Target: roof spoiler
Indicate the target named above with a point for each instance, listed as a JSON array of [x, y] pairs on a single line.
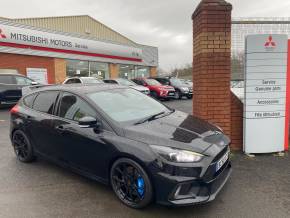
[[28, 89]]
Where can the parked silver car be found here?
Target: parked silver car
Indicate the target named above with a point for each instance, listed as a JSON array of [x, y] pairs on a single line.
[[125, 82]]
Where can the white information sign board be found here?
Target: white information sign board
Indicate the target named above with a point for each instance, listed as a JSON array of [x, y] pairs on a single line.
[[37, 74], [265, 93]]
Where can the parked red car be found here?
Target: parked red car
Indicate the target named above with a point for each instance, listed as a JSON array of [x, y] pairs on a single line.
[[157, 90]]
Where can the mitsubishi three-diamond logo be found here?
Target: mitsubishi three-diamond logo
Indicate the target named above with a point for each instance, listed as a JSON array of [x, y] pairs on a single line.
[[2, 35], [270, 43]]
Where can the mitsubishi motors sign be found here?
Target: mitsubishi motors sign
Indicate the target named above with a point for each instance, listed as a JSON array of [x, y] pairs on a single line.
[[38, 41], [266, 106]]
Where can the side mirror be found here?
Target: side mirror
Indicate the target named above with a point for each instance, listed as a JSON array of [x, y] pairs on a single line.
[[89, 122], [34, 83]]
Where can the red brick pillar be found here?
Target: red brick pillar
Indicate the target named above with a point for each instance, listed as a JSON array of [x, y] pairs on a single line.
[[212, 62]]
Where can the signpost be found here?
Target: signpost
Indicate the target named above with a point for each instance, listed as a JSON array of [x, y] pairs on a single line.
[[266, 103]]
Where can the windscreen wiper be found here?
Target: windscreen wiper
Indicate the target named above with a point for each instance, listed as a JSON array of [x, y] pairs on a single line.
[[152, 117]]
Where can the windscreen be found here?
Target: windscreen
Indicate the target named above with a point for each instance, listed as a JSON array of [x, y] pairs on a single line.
[[126, 105]]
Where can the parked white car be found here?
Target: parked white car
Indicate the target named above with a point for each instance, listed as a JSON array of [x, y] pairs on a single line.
[[83, 80]]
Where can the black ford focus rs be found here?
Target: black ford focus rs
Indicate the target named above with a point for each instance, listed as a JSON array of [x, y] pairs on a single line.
[[121, 137]]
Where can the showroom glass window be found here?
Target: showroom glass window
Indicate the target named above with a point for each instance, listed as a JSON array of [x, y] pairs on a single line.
[[77, 68], [142, 71], [74, 108], [99, 70], [87, 68], [44, 102], [127, 71]]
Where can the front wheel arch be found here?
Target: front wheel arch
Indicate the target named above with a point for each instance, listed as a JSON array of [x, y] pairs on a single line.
[[124, 155]]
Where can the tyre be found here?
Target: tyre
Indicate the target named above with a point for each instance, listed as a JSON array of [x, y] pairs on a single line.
[[178, 94], [22, 147], [131, 183], [189, 96]]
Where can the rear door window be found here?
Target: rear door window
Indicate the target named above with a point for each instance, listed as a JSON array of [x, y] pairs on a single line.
[[74, 108], [73, 81], [139, 82], [45, 101], [6, 79], [111, 81]]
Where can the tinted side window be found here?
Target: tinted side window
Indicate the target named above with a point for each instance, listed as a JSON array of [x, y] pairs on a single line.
[[110, 81], [73, 81], [45, 101], [76, 81], [69, 81], [28, 101], [162, 81], [139, 82], [6, 79], [74, 108]]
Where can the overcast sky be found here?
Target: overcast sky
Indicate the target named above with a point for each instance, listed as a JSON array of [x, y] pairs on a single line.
[[162, 23]]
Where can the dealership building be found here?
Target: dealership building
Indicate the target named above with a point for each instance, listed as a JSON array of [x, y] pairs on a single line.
[[53, 48]]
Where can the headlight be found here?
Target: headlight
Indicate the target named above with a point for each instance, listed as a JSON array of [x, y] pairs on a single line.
[[177, 155], [185, 89]]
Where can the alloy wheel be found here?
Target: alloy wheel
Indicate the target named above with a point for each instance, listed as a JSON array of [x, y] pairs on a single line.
[[22, 147], [130, 184]]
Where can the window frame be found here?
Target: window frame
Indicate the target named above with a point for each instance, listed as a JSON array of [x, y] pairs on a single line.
[[19, 76], [13, 81], [34, 95], [55, 102], [106, 125]]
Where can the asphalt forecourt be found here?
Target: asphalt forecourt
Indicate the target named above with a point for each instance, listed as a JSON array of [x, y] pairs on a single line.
[[258, 187]]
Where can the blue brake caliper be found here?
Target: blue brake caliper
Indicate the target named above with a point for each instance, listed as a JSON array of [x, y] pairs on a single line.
[[140, 185]]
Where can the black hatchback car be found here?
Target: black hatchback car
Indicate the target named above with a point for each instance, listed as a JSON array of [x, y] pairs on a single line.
[[119, 136], [11, 87]]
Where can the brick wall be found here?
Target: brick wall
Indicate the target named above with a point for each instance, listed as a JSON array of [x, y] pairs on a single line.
[[212, 98], [237, 108], [21, 62], [211, 62]]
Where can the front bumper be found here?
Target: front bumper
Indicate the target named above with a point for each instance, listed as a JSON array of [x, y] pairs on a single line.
[[183, 191], [167, 94]]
